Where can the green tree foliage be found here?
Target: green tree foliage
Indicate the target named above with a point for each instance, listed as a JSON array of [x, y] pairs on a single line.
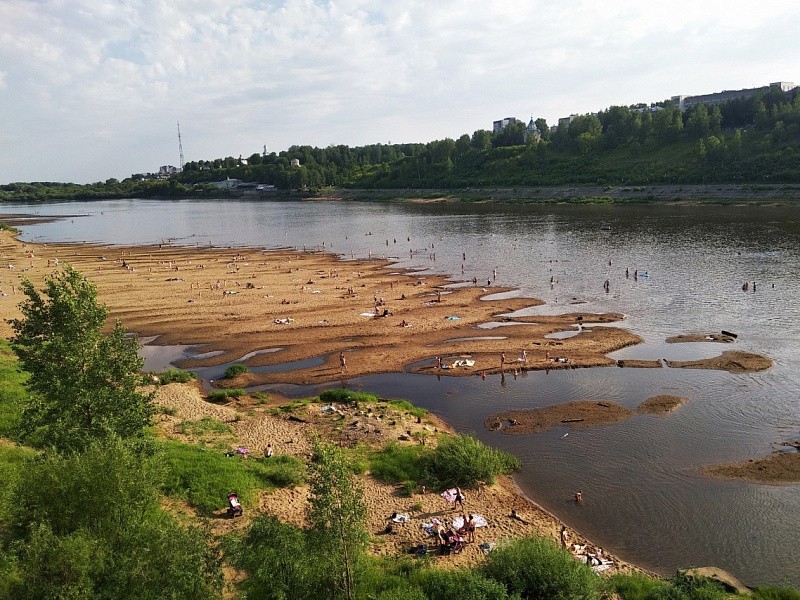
[[639, 144], [85, 383], [536, 568], [337, 514], [278, 561], [465, 461], [465, 585], [89, 525]]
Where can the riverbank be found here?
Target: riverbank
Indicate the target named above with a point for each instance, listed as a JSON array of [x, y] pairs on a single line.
[[508, 513], [577, 194]]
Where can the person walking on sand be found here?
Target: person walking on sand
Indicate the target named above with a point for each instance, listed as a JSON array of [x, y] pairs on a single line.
[[342, 362], [564, 536], [502, 360], [459, 499]]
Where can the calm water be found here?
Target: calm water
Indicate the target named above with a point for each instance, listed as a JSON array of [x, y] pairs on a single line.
[[644, 498]]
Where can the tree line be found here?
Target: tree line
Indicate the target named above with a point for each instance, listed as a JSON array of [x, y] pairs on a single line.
[[744, 140]]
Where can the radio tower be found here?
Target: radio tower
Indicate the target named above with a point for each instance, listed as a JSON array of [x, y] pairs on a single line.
[[180, 145]]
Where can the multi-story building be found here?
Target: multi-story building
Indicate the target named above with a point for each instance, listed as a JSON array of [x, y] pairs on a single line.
[[687, 102], [498, 126]]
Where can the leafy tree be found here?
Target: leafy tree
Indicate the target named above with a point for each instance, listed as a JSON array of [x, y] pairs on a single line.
[[86, 383], [466, 461], [482, 139], [541, 125], [89, 525], [337, 514], [537, 568]]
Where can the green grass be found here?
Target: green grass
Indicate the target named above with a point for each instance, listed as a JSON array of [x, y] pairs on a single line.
[[203, 477], [634, 586], [347, 396], [204, 426], [398, 464], [12, 390]]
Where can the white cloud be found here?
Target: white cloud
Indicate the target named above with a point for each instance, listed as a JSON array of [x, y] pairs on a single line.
[[92, 88]]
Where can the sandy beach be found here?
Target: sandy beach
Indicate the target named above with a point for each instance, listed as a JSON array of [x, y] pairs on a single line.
[[242, 304]]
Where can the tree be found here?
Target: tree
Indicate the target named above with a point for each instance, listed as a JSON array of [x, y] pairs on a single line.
[[89, 525], [86, 383], [336, 513], [536, 568]]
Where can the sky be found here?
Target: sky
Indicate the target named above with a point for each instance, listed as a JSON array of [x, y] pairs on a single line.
[[94, 89]]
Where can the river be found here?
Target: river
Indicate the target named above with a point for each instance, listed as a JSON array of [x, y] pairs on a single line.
[[644, 497]]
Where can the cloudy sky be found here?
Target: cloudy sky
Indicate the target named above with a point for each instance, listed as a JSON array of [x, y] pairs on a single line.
[[92, 89]]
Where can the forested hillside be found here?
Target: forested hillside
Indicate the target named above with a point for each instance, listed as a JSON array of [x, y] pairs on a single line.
[[744, 141]]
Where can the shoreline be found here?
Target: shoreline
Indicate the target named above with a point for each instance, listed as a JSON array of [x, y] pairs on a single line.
[[201, 295]]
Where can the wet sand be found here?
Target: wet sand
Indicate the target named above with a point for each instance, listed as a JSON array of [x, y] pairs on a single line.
[[577, 414], [780, 467]]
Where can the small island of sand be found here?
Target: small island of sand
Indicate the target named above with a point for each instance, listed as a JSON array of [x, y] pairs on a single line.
[[581, 413], [660, 405], [780, 467]]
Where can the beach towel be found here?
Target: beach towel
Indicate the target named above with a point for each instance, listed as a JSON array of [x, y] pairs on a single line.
[[430, 527], [368, 314], [401, 517], [458, 522], [449, 495], [487, 547]]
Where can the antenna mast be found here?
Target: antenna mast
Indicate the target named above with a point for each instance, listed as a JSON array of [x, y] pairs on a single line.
[[180, 145]]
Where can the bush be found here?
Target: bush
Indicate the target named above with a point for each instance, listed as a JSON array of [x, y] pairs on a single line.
[[346, 396], [176, 376], [776, 593], [204, 477], [13, 463], [89, 525], [223, 395], [277, 559], [537, 568], [464, 585], [235, 370], [12, 390], [462, 460], [634, 586]]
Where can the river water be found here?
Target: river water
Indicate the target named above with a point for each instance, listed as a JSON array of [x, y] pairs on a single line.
[[644, 498]]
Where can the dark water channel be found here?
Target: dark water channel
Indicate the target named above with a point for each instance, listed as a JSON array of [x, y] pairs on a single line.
[[643, 495]]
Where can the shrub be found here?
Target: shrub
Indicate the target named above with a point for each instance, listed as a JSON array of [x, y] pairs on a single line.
[[465, 461], [176, 376], [537, 568], [13, 463], [464, 585], [12, 390], [634, 586], [346, 396], [223, 395], [235, 370], [276, 558], [203, 477], [776, 593]]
